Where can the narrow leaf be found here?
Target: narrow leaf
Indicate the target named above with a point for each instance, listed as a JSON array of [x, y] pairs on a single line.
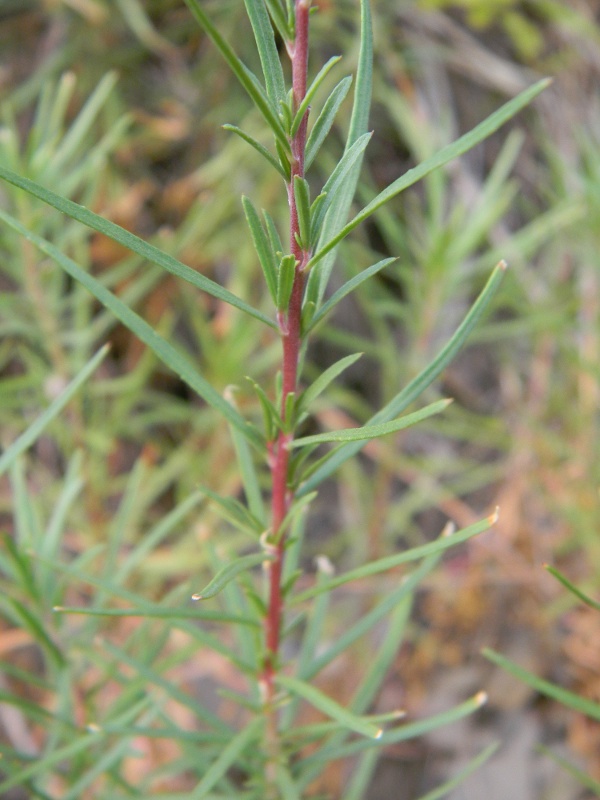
[[28, 437], [165, 351], [267, 51], [311, 91], [131, 242], [574, 589], [258, 147], [247, 79], [329, 707], [373, 431], [349, 287], [235, 512], [336, 188], [229, 572], [285, 281], [443, 156], [279, 19], [325, 378], [569, 699], [473, 765], [441, 544], [424, 379], [302, 197], [227, 758], [273, 233], [263, 248], [325, 120]]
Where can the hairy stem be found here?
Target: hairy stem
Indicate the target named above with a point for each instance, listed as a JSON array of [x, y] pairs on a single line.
[[290, 331]]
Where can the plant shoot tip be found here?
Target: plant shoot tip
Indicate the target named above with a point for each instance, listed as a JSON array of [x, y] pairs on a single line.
[[493, 518], [481, 698], [58, 608], [197, 597], [379, 734], [449, 529], [503, 265]]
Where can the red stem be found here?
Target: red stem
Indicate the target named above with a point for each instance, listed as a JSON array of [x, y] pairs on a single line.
[[289, 324]]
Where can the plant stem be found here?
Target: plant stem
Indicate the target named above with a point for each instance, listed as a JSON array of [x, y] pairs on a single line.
[[290, 331]]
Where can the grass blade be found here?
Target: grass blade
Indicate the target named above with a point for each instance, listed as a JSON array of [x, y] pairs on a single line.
[[424, 379], [373, 431], [28, 437], [567, 698], [165, 351], [443, 156], [131, 242]]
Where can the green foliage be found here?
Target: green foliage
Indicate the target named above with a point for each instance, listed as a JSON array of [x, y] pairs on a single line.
[[91, 547]]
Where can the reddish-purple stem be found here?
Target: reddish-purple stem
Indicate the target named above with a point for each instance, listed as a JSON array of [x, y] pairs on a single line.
[[289, 325]]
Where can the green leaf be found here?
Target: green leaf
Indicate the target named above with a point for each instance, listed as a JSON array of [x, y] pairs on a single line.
[[267, 51], [273, 234], [302, 198], [325, 120], [442, 543], [229, 572], [573, 589], [581, 776], [249, 476], [36, 628], [310, 394], [285, 281], [235, 512], [311, 91], [247, 79], [131, 242], [258, 147], [347, 288], [456, 780], [228, 757], [443, 156], [373, 431], [272, 419], [28, 437], [569, 699], [424, 379], [159, 612], [263, 248], [338, 213], [329, 707], [280, 20], [336, 186], [165, 351]]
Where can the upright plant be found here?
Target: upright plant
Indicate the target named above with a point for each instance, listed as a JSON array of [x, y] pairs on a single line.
[[273, 755]]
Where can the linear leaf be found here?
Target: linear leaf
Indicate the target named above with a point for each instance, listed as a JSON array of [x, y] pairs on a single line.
[[302, 198], [311, 91], [310, 394], [247, 79], [267, 51], [28, 437], [132, 242], [165, 351], [280, 20], [574, 589], [329, 707], [258, 147], [229, 572], [228, 757], [235, 512], [285, 281], [159, 612], [456, 780], [442, 543], [569, 699], [424, 379], [349, 287], [336, 187], [443, 156], [373, 431], [325, 120], [263, 248]]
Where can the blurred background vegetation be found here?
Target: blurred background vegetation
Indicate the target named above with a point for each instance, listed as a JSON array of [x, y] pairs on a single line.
[[118, 104]]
